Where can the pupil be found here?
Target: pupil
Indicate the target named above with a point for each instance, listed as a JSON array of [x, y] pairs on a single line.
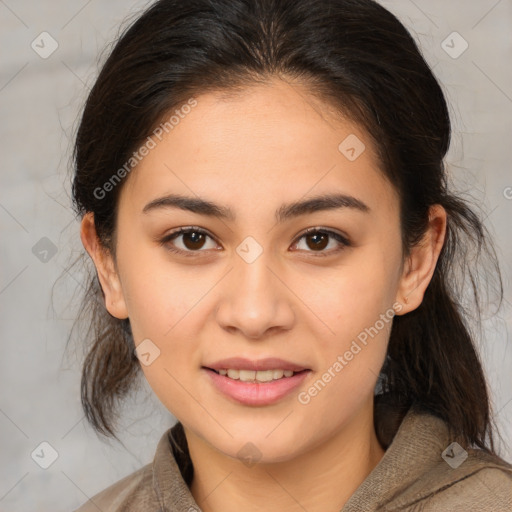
[[196, 244], [319, 244]]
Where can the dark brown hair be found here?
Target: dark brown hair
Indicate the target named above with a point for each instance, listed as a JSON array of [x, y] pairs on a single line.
[[360, 59]]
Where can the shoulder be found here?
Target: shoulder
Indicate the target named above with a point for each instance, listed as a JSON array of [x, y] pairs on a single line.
[[423, 469], [132, 493], [482, 482], [486, 485], [157, 485]]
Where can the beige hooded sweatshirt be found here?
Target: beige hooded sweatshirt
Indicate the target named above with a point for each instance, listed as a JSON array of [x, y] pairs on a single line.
[[420, 471]]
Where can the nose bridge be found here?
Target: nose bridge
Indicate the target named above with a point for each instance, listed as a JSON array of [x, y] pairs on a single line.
[[255, 299]]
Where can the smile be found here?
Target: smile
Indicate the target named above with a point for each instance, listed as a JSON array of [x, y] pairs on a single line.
[[255, 376], [256, 387]]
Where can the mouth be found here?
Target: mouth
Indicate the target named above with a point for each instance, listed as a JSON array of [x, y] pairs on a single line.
[[256, 382], [256, 376]]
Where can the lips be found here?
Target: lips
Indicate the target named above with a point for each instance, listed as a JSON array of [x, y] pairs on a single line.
[[233, 377], [269, 363], [255, 393]]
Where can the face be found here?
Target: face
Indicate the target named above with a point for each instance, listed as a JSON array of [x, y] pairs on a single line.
[[253, 283]]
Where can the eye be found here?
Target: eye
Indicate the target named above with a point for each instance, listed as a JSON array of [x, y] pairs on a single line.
[[318, 239], [193, 239]]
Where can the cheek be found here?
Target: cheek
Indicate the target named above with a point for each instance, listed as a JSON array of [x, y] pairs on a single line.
[[158, 295], [350, 360], [356, 294], [160, 301], [356, 305]]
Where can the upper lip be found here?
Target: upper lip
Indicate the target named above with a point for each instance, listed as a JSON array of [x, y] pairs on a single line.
[[269, 363]]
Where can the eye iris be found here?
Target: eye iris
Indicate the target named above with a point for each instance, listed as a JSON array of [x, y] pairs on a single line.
[[197, 240], [318, 244], [194, 240]]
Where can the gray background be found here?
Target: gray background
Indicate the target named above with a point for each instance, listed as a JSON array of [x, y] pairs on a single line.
[[39, 103]]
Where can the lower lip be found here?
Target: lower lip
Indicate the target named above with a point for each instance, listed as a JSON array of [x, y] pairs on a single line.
[[257, 393]]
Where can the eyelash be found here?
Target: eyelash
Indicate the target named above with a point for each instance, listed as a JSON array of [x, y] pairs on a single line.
[[193, 229]]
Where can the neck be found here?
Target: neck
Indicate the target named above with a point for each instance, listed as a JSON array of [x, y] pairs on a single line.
[[321, 479]]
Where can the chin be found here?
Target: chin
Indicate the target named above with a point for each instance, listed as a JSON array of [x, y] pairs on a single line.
[[252, 447]]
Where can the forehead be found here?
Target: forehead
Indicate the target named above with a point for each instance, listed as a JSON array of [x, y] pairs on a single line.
[[271, 141]]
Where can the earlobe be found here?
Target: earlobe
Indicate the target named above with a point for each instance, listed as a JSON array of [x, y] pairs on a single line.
[[105, 267], [421, 262]]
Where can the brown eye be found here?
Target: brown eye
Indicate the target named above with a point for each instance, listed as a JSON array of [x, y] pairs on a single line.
[[316, 240], [193, 240]]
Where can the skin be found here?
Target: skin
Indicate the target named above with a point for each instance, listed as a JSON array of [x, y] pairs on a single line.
[[271, 144]]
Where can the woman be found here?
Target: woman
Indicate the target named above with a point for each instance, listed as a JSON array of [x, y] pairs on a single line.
[[263, 195]]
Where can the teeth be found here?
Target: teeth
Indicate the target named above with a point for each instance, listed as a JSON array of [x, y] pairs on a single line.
[[233, 374], [246, 375], [264, 376], [277, 374], [260, 376]]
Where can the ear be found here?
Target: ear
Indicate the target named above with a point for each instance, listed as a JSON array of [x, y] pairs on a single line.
[[421, 262], [105, 267]]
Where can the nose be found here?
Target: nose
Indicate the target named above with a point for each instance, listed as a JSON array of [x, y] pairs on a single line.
[[255, 299]]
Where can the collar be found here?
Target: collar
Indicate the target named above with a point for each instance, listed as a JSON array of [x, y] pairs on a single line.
[[173, 471], [411, 469]]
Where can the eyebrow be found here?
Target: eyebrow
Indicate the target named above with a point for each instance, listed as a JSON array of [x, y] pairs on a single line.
[[285, 212]]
